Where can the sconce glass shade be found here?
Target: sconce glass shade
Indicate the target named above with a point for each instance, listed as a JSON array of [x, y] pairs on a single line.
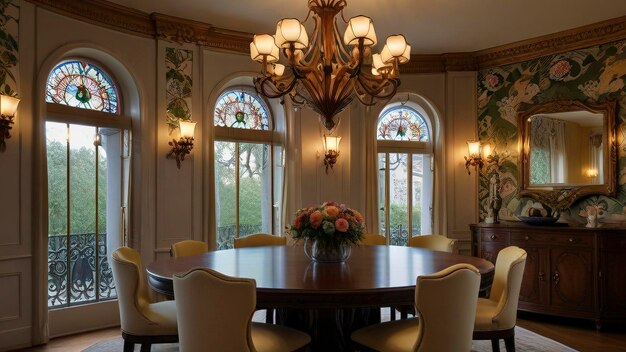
[[187, 128], [8, 105], [486, 150], [592, 173], [331, 143], [473, 148], [397, 45]]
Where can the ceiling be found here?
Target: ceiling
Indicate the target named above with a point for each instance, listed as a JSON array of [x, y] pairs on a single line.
[[431, 26]]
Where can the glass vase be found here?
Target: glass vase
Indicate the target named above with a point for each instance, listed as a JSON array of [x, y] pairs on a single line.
[[325, 254]]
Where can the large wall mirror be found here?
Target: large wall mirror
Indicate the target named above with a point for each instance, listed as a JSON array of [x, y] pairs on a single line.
[[568, 151]]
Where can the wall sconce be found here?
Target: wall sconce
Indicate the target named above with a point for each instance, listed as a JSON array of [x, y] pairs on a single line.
[[478, 154], [184, 144], [591, 173], [8, 107], [331, 151]]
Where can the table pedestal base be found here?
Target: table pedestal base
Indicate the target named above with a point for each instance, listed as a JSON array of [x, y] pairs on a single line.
[[330, 329]]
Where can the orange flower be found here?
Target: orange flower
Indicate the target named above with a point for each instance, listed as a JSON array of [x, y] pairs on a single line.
[[316, 219], [331, 211], [342, 225]]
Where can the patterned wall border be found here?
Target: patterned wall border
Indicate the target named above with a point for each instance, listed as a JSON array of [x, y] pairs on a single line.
[[181, 30]]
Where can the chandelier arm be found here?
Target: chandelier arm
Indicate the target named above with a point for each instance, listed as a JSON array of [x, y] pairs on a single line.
[[272, 90], [376, 92]]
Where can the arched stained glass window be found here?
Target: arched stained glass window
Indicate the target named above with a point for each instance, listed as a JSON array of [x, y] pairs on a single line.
[[402, 124], [80, 84], [239, 109]]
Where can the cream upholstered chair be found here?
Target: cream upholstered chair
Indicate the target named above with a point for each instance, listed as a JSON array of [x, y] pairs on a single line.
[[445, 302], [215, 312], [142, 321], [433, 242], [373, 239], [496, 316], [188, 247], [260, 239]]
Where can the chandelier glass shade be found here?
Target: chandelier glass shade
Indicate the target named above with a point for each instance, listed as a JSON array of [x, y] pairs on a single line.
[[324, 70]]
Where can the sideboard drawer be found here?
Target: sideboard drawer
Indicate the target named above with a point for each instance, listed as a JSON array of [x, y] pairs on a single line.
[[525, 238], [493, 236]]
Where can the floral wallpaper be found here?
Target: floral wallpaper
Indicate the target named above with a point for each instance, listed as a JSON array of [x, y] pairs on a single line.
[[594, 74], [9, 17], [178, 83]]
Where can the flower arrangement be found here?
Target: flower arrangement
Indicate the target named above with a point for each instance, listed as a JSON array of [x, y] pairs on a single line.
[[331, 225]]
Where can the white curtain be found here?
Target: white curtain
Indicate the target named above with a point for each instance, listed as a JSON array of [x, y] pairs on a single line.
[[371, 171]]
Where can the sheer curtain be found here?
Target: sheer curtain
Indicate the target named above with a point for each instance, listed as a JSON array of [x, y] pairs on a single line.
[[558, 160]]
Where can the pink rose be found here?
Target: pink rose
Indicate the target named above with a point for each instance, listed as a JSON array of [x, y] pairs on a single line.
[[491, 80], [298, 224], [342, 225], [358, 216], [316, 219], [332, 211]]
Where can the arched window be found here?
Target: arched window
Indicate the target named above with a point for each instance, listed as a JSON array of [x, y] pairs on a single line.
[[405, 183], [82, 85], [88, 157], [247, 184]]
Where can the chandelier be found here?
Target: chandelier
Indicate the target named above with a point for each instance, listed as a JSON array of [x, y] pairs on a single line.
[[326, 72]]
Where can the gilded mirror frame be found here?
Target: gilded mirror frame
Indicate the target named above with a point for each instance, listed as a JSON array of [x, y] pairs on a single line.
[[561, 197]]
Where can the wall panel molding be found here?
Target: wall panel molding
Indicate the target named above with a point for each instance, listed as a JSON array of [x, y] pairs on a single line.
[[180, 30]]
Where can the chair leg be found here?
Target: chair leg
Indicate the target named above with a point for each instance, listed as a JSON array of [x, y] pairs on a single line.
[[495, 345], [129, 346], [146, 347], [509, 343], [269, 316], [392, 313]]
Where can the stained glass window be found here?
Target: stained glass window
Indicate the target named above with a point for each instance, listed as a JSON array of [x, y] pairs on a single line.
[[239, 109], [402, 124], [82, 85]]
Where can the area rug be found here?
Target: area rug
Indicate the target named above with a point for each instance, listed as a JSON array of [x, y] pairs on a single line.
[[525, 341]]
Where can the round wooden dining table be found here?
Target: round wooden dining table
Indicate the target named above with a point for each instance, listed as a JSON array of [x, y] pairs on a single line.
[[372, 277]]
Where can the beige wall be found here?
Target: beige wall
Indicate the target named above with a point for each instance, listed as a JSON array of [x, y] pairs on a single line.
[[169, 204]]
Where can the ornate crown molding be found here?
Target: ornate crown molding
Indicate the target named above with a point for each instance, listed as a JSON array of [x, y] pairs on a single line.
[[181, 30], [572, 39]]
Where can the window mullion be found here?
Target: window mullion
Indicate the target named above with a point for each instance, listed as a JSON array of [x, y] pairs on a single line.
[[68, 239], [409, 196], [236, 189], [97, 244], [387, 202]]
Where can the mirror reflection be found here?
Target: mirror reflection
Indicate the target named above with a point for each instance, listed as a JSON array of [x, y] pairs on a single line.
[[566, 148]]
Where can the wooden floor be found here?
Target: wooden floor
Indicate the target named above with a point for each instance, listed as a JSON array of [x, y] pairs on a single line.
[[577, 334]]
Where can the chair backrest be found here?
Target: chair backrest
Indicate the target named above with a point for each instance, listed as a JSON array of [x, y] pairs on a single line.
[[260, 239], [445, 303], [433, 242], [214, 311], [132, 290], [188, 247], [372, 239], [507, 282]]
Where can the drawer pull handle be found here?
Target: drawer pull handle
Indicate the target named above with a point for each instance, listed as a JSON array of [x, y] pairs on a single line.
[[572, 240], [541, 278], [493, 237], [556, 278], [526, 238]]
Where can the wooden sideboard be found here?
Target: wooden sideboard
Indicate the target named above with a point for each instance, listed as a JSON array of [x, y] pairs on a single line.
[[570, 271]]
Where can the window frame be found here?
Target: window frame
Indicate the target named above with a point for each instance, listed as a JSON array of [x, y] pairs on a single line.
[[269, 137], [410, 149]]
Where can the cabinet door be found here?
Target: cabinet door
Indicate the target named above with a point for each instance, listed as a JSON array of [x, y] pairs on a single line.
[[613, 270], [571, 279], [489, 251], [535, 277]]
